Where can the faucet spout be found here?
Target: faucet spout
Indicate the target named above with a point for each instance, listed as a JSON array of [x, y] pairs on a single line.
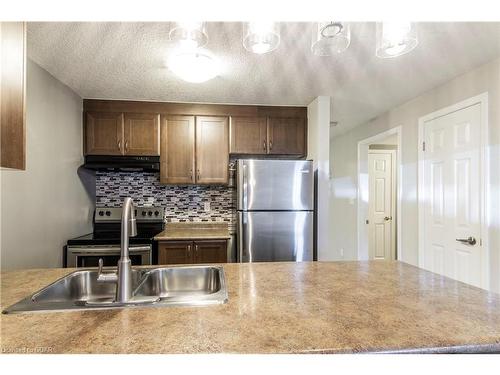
[[123, 277], [129, 228]]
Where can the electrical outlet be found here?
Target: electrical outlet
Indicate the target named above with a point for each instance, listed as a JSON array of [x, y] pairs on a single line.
[[342, 253], [206, 206]]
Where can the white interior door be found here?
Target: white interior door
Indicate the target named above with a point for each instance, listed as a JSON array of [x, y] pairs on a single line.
[[452, 200], [381, 202]]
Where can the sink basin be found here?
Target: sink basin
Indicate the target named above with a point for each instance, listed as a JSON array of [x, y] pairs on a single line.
[[182, 284], [170, 286]]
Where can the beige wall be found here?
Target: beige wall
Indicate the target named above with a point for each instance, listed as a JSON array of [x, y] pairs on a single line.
[[45, 205], [343, 162]]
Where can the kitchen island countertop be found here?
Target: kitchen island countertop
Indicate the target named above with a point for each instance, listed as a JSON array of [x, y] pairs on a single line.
[[314, 307]]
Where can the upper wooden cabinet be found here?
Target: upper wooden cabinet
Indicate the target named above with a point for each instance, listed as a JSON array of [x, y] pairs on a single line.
[[248, 135], [194, 141], [104, 133], [108, 133], [286, 136], [194, 149], [177, 155], [142, 134], [212, 150], [271, 136], [12, 94]]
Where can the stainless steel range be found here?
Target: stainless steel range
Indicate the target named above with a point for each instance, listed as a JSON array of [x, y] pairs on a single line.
[[104, 242]]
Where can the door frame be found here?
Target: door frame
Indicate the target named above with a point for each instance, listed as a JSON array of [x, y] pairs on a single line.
[[394, 197], [362, 191], [481, 99]]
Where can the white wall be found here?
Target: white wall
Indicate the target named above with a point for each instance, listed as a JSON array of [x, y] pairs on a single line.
[[318, 149], [343, 159], [391, 140], [45, 205]]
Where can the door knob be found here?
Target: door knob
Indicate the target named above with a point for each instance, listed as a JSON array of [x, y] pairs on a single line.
[[469, 241], [387, 218]]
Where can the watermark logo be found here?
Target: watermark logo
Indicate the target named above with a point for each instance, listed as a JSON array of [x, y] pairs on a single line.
[[28, 350]]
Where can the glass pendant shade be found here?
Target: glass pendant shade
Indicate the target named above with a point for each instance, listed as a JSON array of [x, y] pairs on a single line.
[[395, 39], [330, 38], [261, 37], [189, 34]]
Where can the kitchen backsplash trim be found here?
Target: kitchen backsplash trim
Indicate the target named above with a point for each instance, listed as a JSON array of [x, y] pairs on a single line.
[[181, 203]]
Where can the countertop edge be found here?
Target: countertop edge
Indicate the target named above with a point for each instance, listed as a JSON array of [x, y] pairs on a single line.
[[457, 349], [191, 238]]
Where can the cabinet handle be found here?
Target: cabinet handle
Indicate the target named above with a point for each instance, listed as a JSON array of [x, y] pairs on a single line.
[[264, 145], [196, 249], [191, 174], [189, 251], [199, 174], [126, 146], [120, 145], [270, 145]]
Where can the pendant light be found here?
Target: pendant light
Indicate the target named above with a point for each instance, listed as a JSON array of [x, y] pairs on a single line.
[[330, 38], [261, 37], [188, 60], [395, 38], [189, 34]]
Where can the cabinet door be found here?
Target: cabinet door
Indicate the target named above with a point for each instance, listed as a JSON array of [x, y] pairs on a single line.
[[12, 94], [175, 252], [142, 134], [287, 136], [177, 150], [248, 135], [212, 150], [104, 133], [210, 251]]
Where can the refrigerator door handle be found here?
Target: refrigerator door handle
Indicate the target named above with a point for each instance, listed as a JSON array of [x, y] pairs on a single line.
[[242, 253], [245, 187]]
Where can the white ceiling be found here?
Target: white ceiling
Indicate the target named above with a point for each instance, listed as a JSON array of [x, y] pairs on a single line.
[[127, 61]]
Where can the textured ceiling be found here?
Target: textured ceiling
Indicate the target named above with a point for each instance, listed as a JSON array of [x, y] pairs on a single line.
[[127, 61]]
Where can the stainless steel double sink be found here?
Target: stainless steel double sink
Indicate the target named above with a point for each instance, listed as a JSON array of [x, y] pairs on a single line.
[[167, 286]]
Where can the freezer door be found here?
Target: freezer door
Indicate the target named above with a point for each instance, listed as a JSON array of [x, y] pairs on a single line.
[[275, 185], [275, 236]]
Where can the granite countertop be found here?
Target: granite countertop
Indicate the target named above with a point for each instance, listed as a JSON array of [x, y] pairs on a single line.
[[315, 307], [194, 231]]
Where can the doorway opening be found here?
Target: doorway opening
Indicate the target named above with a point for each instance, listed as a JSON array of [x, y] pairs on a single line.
[[379, 186]]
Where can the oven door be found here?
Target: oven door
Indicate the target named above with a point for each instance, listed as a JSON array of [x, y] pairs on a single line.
[[88, 256]]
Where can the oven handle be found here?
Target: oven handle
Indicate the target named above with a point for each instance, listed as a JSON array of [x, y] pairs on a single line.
[[101, 250]]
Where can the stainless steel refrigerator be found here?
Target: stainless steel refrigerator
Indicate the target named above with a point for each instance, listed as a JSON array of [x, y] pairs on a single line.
[[275, 206]]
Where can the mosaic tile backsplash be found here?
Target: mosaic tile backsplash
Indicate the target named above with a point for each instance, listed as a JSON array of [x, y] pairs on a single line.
[[182, 203]]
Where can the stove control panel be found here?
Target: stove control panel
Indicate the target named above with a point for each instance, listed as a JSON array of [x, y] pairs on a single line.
[[106, 214]]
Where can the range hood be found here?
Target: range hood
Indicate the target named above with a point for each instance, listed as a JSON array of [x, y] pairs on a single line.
[[122, 163]]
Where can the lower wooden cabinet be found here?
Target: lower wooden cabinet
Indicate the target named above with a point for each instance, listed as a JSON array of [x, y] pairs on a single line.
[[192, 252], [210, 252], [175, 252]]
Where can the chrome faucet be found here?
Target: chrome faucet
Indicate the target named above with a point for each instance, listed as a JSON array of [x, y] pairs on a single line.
[[123, 277]]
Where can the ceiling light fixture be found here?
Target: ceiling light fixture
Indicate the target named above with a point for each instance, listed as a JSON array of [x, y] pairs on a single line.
[[395, 38], [329, 38], [193, 65], [261, 37], [189, 34]]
